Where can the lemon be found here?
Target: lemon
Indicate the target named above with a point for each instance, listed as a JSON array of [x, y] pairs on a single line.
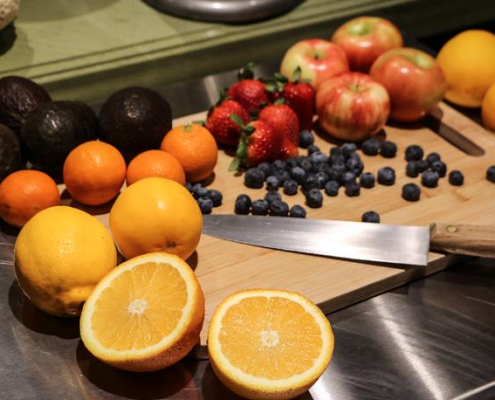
[[59, 256], [468, 62]]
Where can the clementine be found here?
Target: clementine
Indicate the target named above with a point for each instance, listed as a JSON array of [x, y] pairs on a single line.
[[195, 148], [25, 193], [155, 163], [94, 173]]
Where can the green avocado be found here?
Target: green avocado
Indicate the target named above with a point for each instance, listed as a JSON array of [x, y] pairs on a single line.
[[51, 132], [19, 97], [135, 119], [10, 152]]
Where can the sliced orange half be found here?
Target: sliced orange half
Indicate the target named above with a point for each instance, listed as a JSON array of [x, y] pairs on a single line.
[[269, 344], [145, 315]]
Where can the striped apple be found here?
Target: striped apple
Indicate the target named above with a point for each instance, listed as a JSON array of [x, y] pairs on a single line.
[[352, 106], [318, 60]]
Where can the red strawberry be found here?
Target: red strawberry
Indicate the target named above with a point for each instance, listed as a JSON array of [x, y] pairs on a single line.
[[300, 96], [259, 142], [222, 127], [283, 119], [250, 93], [288, 150]]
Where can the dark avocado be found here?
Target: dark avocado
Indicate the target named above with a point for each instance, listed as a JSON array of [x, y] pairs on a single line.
[[135, 119], [19, 97], [10, 152], [51, 132]]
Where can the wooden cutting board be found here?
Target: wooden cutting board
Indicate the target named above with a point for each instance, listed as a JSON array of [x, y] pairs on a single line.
[[225, 267]]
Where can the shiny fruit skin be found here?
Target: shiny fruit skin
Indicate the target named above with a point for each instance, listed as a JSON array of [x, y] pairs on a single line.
[[414, 82], [155, 163], [352, 106], [364, 39], [468, 61], [488, 109]]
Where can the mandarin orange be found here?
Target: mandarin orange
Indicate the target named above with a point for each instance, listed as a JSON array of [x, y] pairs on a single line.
[[155, 163]]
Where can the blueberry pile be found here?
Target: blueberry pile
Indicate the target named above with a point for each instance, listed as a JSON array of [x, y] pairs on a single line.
[[206, 198], [272, 205]]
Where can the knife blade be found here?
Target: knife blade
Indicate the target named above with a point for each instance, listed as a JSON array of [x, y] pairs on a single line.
[[407, 245]]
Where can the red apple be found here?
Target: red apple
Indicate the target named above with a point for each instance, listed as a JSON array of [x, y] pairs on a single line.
[[318, 60], [414, 81], [352, 106], [364, 39]]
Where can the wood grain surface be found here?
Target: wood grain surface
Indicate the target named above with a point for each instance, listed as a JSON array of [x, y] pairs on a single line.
[[225, 267]]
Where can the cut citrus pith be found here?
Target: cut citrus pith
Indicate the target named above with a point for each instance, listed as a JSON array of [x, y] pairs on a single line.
[[145, 315], [269, 344]]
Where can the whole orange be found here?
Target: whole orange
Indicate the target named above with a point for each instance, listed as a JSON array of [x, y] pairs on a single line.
[[488, 108], [468, 62], [94, 173], [156, 214], [24, 193], [195, 148], [155, 163]]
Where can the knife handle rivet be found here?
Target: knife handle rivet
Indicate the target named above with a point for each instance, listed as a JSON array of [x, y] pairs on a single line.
[[451, 228]]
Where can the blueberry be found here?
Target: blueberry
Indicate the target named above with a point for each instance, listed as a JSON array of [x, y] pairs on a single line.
[[322, 178], [279, 165], [347, 177], [216, 197], [254, 178], [242, 204], [370, 147], [260, 207], [422, 165], [290, 187], [490, 174], [311, 182], [306, 138], [440, 167], [272, 196], [318, 157], [414, 153], [198, 190], [348, 149], [188, 186], [336, 158], [332, 188], [307, 165], [411, 192], [339, 167], [429, 178], [352, 189], [266, 167], [432, 157], [279, 209], [272, 182], [386, 176], [388, 149], [412, 169], [323, 168], [291, 163], [282, 176], [355, 165], [205, 204], [456, 178], [335, 151], [370, 216], [314, 198], [313, 149], [298, 174], [297, 211], [333, 175], [367, 180]]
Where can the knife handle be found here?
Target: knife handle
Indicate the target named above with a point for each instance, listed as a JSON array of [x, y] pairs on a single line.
[[472, 240]]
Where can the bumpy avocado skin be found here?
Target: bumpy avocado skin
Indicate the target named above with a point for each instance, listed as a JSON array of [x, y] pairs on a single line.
[[135, 119], [51, 132], [19, 97], [10, 152]]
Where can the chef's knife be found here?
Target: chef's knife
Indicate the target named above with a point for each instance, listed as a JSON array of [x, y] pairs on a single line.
[[407, 245]]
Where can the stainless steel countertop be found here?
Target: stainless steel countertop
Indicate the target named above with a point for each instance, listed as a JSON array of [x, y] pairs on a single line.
[[432, 339]]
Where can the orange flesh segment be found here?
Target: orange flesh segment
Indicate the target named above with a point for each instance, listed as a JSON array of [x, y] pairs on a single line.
[[144, 305], [270, 337]]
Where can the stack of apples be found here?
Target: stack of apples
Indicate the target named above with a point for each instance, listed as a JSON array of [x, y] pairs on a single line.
[[364, 76]]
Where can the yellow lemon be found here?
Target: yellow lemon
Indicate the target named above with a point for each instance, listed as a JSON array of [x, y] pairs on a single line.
[[468, 62], [59, 257]]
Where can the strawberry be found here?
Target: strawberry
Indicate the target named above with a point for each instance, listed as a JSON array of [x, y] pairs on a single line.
[[259, 142], [283, 119], [222, 127], [249, 92], [288, 150]]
